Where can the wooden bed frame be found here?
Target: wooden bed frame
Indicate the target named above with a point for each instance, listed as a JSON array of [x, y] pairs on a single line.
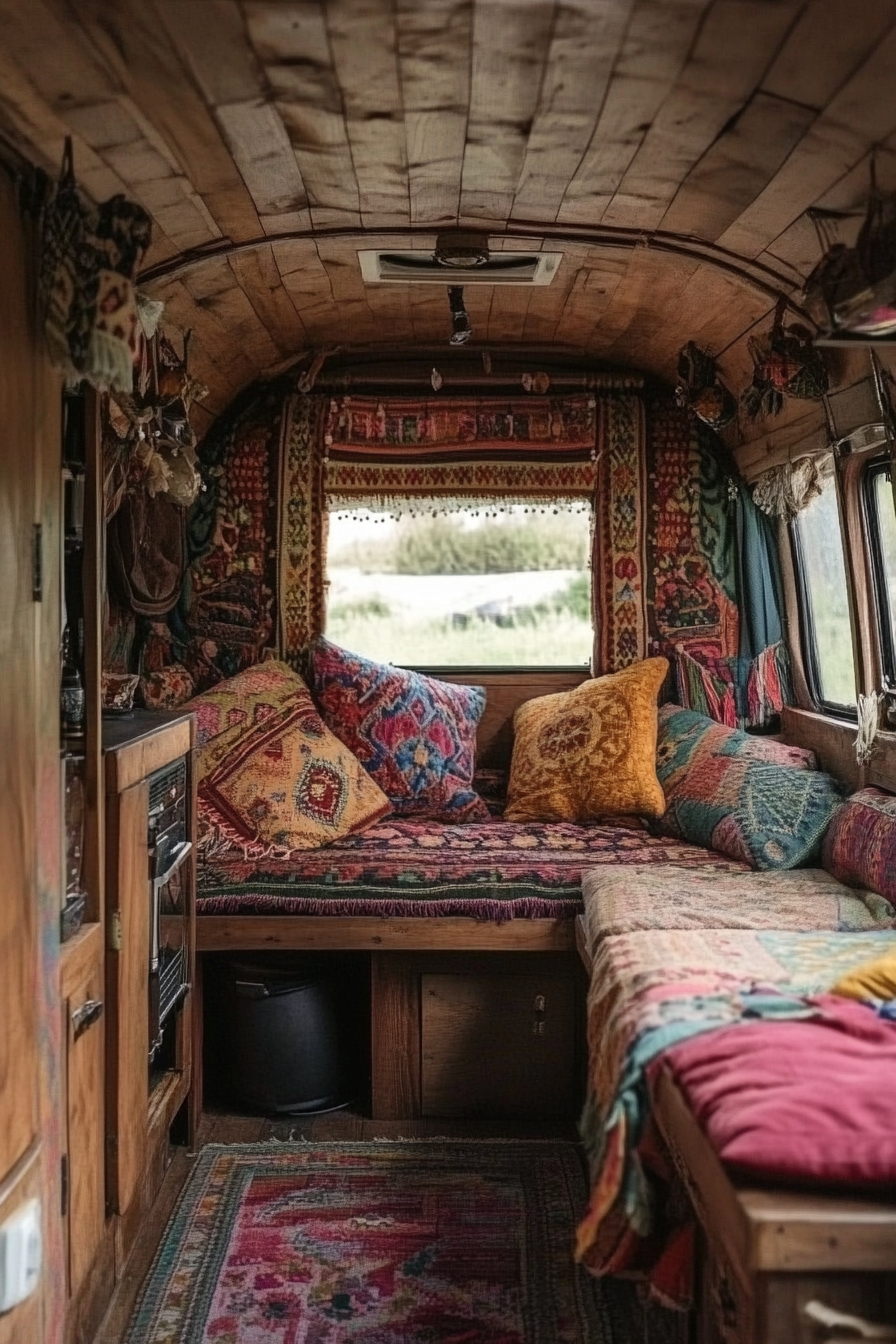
[[766, 1254]]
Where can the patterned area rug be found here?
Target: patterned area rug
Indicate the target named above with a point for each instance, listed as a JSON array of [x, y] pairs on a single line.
[[378, 1243]]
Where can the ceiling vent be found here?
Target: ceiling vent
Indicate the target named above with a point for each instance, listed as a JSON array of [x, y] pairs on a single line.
[[459, 258]]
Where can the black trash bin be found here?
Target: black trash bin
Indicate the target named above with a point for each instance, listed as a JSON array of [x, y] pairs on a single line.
[[295, 1043]]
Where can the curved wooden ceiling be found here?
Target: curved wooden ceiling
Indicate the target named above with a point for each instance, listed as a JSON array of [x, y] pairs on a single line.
[[670, 149]]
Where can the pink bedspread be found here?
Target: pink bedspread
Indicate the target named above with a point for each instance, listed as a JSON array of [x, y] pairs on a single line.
[[802, 1101]]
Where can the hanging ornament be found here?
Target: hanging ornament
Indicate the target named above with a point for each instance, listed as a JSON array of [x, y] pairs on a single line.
[[785, 363], [700, 390], [853, 289]]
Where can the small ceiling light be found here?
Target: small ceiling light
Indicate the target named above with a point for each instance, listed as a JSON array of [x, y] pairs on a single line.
[[461, 331]]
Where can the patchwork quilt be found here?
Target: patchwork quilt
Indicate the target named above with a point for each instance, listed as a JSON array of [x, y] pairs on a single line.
[[632, 898], [491, 870], [652, 989]]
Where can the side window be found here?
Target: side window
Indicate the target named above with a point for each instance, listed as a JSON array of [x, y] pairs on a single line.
[[824, 603], [488, 586], [882, 536]]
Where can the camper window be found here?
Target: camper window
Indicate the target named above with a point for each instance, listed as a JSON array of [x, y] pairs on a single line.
[[882, 536], [824, 606], [480, 586]]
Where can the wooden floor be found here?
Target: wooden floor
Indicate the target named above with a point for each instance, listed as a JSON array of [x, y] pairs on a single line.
[[346, 1125]]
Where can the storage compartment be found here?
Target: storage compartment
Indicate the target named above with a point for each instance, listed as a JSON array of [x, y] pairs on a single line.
[[491, 1036], [498, 1045], [296, 1034]]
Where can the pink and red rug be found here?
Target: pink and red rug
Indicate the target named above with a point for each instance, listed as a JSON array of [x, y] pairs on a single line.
[[378, 1243]]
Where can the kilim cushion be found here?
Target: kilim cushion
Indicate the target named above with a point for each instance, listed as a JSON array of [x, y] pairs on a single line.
[[274, 775], [860, 847], [727, 790], [590, 752], [232, 707], [415, 736]]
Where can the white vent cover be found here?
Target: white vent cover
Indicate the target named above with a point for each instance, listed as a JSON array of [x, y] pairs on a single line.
[[420, 268]]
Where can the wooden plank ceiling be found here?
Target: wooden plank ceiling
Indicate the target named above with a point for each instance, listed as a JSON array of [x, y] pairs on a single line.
[[670, 149]]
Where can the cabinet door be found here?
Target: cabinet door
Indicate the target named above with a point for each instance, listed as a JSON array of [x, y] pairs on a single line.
[[127, 900], [498, 1045], [84, 1112]]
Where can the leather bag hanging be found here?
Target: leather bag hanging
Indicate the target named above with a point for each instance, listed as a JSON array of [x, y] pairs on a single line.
[[147, 552]]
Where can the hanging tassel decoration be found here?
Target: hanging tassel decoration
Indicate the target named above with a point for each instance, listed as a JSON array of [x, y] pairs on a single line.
[[868, 707]]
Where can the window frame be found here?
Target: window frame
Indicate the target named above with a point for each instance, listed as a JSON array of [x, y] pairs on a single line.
[[885, 625], [471, 670], [808, 641]]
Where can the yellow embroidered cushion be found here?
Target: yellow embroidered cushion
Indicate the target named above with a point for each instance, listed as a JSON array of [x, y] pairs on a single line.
[[872, 980], [271, 774], [590, 752]]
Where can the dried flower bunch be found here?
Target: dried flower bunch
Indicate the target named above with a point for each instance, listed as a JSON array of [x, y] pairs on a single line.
[[151, 445]]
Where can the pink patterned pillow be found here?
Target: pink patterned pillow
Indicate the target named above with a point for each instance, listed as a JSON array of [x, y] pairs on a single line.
[[860, 846], [415, 735]]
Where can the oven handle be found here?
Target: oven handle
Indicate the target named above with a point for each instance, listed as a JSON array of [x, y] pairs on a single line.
[[180, 854]]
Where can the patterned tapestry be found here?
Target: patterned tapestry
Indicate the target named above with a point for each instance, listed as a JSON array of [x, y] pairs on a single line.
[[664, 522], [663, 560], [301, 528], [226, 616], [385, 452]]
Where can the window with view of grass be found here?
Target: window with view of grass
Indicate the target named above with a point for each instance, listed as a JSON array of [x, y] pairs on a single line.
[[827, 634], [882, 517], [474, 587]]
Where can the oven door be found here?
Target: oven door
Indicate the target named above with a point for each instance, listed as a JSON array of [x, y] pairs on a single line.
[[168, 982]]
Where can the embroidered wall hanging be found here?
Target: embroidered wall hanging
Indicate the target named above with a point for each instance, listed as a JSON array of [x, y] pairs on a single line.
[[301, 534], [384, 453], [89, 258], [663, 559]]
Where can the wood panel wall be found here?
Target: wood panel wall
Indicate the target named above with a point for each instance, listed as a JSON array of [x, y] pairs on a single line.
[[30, 856]]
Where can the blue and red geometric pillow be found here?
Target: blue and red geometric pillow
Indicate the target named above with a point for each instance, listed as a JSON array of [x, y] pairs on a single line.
[[415, 735]]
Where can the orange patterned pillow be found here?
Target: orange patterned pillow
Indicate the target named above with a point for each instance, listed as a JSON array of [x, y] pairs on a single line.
[[590, 752], [272, 772]]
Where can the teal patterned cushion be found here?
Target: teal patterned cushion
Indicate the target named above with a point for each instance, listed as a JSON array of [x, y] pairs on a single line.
[[724, 789]]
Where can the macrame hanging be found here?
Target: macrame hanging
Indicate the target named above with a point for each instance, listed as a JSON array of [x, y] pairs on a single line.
[[784, 491], [868, 710]]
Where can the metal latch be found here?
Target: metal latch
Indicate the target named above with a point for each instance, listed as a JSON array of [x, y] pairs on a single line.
[[538, 1018], [115, 931], [91, 1011]]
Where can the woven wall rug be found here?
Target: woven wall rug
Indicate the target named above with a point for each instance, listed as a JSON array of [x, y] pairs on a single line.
[[444, 1241]]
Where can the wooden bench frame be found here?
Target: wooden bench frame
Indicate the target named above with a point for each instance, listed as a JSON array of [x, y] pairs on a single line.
[[766, 1253]]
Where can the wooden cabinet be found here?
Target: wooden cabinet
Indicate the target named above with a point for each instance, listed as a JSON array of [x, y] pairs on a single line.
[[141, 1104], [83, 1184], [498, 1045], [492, 1036]]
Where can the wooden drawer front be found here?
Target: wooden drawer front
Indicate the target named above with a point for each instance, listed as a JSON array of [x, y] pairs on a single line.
[[781, 1299], [85, 1029], [498, 1046]]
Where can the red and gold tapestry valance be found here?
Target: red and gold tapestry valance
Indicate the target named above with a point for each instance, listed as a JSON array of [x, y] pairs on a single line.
[[390, 452]]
